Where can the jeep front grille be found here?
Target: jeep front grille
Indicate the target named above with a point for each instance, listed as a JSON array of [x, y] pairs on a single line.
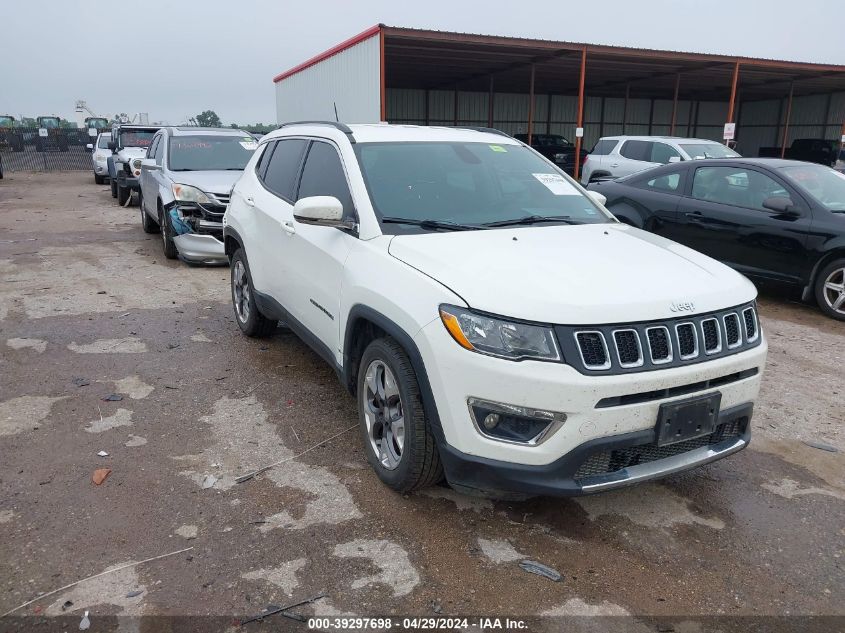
[[655, 345]]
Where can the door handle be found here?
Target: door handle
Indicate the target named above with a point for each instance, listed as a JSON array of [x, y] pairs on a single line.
[[694, 216], [288, 227], [249, 200], [614, 165]]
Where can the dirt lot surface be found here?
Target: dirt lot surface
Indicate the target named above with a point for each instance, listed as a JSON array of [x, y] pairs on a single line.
[[89, 307]]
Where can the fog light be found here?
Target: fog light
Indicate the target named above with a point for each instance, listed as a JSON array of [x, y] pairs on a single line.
[[513, 423]]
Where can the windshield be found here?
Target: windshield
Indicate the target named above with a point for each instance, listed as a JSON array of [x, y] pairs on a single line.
[[822, 183], [49, 122], [543, 140], [206, 153], [103, 143], [697, 151], [98, 122], [6, 120], [470, 184], [136, 138]]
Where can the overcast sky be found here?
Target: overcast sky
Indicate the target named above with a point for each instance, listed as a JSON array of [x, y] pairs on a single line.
[[175, 58]]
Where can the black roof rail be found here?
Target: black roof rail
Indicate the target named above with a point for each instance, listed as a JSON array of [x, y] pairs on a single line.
[[488, 130], [338, 126]]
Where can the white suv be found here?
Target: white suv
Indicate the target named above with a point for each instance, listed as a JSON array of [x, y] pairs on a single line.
[[495, 322], [617, 156]]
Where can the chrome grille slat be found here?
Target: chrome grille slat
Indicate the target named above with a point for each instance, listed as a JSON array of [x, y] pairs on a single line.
[[660, 340], [733, 335], [711, 336], [593, 349], [749, 317], [629, 351], [687, 340]]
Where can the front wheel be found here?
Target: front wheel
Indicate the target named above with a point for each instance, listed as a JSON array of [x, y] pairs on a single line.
[[167, 244], [113, 188], [99, 179], [249, 318], [123, 195], [830, 289], [399, 445]]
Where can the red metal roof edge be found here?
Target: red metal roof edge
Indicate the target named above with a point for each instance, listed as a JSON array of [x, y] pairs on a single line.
[[352, 41]]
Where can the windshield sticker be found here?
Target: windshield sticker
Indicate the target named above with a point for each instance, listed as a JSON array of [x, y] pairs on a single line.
[[498, 148], [557, 184], [249, 145]]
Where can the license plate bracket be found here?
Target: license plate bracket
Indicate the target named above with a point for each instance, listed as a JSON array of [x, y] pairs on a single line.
[[687, 419]]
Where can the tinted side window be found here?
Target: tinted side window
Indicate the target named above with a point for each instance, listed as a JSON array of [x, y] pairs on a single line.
[[661, 153], [735, 186], [280, 176], [151, 151], [604, 147], [263, 158], [158, 153], [323, 175], [637, 150], [667, 183]]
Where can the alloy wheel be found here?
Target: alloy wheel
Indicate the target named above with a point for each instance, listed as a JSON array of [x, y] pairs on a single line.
[[241, 293], [834, 290], [384, 414]]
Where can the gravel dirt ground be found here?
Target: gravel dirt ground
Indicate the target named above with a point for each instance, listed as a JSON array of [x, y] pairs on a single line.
[[89, 307]]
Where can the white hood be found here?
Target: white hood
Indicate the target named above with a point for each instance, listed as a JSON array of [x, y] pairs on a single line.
[[128, 153], [574, 275]]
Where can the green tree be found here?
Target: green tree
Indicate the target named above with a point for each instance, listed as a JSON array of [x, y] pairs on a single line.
[[208, 118]]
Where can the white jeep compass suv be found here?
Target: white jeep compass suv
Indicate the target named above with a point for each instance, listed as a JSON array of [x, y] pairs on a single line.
[[496, 324]]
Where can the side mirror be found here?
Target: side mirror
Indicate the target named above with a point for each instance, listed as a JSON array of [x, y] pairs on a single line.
[[598, 197], [320, 211], [112, 145], [89, 147], [149, 163], [675, 159], [781, 205]]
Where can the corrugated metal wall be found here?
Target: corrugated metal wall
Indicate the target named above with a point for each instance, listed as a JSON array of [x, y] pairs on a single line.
[[350, 80], [758, 121]]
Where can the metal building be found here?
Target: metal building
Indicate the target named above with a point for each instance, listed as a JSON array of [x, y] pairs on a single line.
[[518, 85]]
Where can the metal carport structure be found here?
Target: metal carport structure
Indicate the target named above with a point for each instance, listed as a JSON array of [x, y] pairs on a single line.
[[528, 86]]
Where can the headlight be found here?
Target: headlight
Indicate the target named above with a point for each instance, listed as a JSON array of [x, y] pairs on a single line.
[[187, 193], [136, 163], [559, 158], [496, 337]]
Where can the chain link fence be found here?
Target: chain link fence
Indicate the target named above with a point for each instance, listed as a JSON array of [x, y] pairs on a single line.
[[45, 149]]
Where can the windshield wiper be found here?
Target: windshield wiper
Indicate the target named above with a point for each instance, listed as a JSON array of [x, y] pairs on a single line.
[[445, 225], [534, 219]]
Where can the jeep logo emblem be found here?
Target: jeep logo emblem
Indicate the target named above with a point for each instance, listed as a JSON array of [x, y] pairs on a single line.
[[682, 306]]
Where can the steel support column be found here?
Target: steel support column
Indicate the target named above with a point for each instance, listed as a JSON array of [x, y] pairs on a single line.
[[579, 140], [732, 102], [490, 104], [786, 123], [531, 106], [625, 107], [675, 104], [382, 77]]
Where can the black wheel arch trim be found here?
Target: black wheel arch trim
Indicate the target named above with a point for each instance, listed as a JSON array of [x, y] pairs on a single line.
[[360, 312]]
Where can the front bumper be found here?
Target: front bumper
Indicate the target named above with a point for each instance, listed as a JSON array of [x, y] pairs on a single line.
[[473, 459], [567, 476], [200, 249]]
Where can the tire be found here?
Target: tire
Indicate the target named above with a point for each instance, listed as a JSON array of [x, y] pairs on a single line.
[[249, 318], [829, 288], [123, 194], [388, 388], [167, 245], [99, 180], [147, 223], [113, 188]]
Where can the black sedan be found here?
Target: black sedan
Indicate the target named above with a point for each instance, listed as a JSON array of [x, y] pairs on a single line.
[[780, 222]]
